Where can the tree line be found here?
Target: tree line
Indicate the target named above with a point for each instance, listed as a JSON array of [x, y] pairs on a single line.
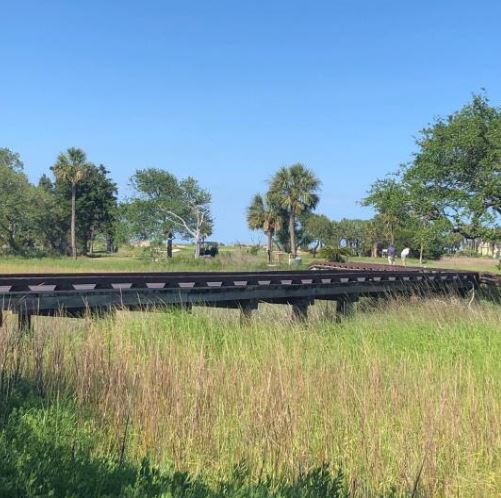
[[76, 205], [449, 194], [285, 213]]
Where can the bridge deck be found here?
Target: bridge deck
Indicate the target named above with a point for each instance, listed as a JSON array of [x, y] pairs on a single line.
[[74, 294]]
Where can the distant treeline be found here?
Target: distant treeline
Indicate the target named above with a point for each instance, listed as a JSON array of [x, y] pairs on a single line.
[[76, 210], [448, 194]]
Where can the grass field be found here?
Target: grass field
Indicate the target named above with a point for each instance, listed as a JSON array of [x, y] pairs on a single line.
[[410, 386], [229, 259], [455, 263]]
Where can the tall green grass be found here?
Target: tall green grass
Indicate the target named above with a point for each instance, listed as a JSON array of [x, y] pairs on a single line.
[[406, 395]]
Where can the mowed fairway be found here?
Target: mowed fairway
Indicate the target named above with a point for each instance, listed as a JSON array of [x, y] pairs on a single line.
[[404, 396]]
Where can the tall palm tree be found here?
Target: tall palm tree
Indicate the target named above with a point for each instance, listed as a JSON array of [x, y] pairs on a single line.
[[264, 216], [72, 167], [294, 188]]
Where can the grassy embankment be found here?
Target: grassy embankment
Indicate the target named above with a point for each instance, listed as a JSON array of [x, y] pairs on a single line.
[[412, 389]]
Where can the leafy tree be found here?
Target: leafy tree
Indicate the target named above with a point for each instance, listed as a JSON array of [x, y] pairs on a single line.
[[193, 217], [353, 234], [294, 189], [320, 229], [459, 162], [424, 216], [11, 160], [97, 206], [263, 215], [336, 234], [17, 210], [388, 197], [374, 235], [164, 204], [72, 167], [54, 221]]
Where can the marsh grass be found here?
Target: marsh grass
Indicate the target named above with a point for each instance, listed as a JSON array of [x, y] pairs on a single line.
[[402, 387]]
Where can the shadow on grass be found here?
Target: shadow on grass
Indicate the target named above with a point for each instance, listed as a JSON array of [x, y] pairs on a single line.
[[46, 450]]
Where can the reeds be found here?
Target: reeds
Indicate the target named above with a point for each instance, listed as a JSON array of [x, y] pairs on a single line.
[[403, 387]]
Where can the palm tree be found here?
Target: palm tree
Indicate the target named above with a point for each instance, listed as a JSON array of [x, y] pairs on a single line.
[[294, 188], [72, 167], [264, 216]]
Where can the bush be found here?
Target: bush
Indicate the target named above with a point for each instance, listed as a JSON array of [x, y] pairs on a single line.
[[333, 254], [152, 253], [468, 253], [253, 250]]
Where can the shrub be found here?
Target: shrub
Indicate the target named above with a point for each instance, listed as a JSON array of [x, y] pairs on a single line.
[[253, 250], [332, 254]]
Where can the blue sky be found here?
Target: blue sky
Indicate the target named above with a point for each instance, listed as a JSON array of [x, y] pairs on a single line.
[[229, 91]]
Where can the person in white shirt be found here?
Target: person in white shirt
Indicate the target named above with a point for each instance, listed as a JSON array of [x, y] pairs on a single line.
[[404, 254]]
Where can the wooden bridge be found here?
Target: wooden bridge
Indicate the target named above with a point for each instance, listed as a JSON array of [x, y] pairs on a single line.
[[76, 294]]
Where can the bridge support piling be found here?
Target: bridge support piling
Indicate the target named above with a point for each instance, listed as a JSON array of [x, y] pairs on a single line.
[[24, 321], [300, 309], [1, 318], [344, 308], [246, 310]]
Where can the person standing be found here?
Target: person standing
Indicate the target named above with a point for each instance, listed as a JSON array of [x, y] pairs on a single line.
[[404, 254], [391, 254]]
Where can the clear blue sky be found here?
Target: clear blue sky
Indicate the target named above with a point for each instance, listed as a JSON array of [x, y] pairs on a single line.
[[229, 91]]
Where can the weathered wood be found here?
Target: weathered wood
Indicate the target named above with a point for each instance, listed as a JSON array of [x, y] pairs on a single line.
[[344, 308], [300, 309], [24, 321], [246, 309], [76, 294]]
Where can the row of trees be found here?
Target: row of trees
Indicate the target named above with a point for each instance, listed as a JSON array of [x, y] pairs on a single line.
[[448, 194], [66, 213]]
